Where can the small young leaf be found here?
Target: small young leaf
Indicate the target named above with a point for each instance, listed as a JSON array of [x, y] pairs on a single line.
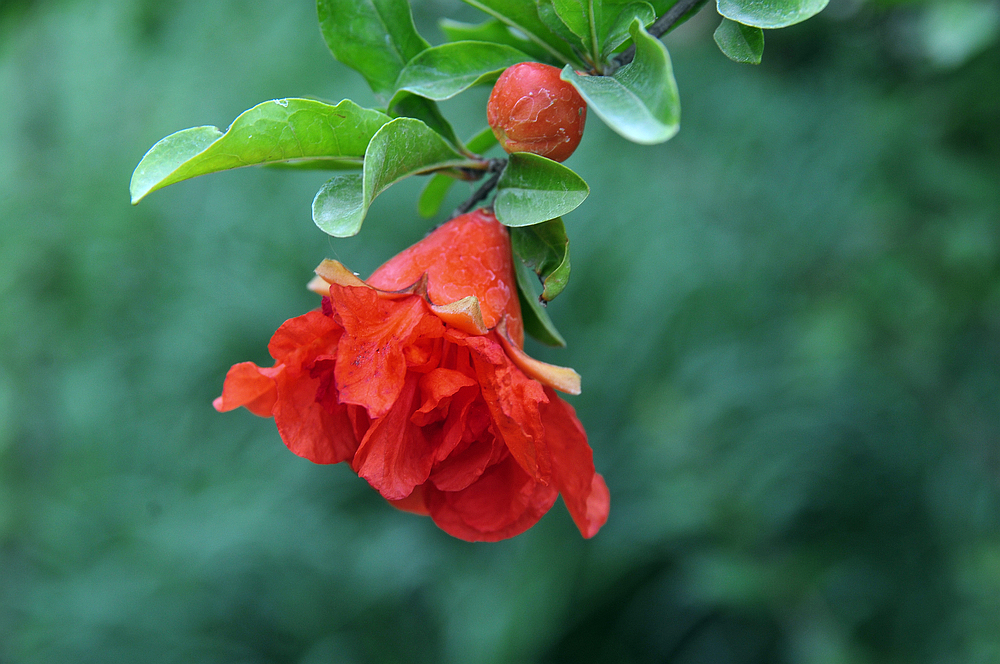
[[441, 72], [339, 206], [740, 43], [496, 32], [640, 101], [534, 189], [536, 320], [375, 37], [523, 17], [770, 13], [437, 187], [401, 148], [279, 131], [545, 249], [617, 31]]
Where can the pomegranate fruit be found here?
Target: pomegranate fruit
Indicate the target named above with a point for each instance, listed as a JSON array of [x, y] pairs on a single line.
[[532, 110]]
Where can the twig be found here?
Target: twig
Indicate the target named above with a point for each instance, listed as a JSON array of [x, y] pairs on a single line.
[[496, 168], [658, 29]]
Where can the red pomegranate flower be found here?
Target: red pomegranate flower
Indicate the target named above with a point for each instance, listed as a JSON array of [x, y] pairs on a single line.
[[418, 379]]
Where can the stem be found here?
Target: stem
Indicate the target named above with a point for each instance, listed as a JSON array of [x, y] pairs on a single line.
[[658, 29], [496, 167]]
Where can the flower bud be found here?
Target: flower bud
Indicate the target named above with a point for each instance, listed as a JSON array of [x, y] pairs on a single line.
[[532, 110]]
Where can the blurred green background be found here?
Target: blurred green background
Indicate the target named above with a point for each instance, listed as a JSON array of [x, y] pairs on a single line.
[[787, 319]]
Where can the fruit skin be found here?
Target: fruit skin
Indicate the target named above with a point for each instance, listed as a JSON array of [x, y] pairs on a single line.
[[532, 110]]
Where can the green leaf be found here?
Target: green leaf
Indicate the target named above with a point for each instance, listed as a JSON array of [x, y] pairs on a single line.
[[441, 72], [375, 37], [582, 17], [740, 43], [640, 101], [545, 249], [408, 105], [536, 320], [523, 17], [533, 189], [279, 131], [437, 187], [496, 32], [770, 13], [401, 148], [548, 15], [617, 31]]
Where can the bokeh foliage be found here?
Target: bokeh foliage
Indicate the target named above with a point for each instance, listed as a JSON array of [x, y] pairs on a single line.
[[787, 320]]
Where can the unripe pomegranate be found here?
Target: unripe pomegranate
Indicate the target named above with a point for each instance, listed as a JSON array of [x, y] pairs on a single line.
[[531, 109]]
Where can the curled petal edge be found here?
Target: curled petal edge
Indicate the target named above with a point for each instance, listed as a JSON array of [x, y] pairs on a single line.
[[563, 379], [464, 314]]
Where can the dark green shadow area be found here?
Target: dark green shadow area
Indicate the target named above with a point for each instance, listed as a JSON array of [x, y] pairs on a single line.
[[786, 318]]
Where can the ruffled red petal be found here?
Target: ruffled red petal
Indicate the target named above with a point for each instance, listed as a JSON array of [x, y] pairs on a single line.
[[322, 433], [504, 502], [302, 338], [250, 386], [371, 364], [583, 490], [395, 454], [513, 400]]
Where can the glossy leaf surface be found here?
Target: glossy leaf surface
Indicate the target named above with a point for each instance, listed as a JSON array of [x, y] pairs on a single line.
[[579, 17], [497, 32], [640, 101], [375, 37], [408, 105], [522, 16], [537, 322], [618, 28], [770, 13], [545, 249], [441, 72], [533, 189], [740, 43], [401, 148], [434, 192], [296, 131]]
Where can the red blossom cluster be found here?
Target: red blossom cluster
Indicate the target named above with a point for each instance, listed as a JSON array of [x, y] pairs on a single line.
[[417, 378]]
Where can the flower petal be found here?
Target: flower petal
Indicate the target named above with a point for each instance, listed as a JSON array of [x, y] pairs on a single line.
[[250, 386], [318, 432], [463, 468], [302, 338], [395, 455], [436, 386], [414, 503], [504, 502], [513, 400], [469, 255], [584, 491], [463, 314], [371, 365]]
